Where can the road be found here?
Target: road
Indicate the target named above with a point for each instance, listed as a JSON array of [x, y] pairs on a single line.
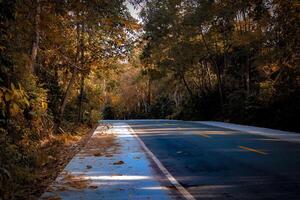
[[217, 163]]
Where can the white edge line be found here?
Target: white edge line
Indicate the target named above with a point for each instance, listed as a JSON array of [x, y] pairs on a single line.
[[175, 183]]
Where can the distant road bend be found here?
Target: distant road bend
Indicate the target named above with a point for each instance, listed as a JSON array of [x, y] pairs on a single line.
[[217, 163]]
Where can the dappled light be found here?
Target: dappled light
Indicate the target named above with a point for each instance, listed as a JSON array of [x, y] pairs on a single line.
[[116, 178]]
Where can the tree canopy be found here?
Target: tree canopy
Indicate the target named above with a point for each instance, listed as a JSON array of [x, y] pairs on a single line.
[[219, 60]]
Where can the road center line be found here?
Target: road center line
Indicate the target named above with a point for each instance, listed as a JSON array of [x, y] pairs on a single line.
[[253, 150], [176, 184], [204, 135]]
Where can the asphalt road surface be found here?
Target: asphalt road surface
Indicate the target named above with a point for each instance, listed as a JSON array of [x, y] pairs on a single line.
[[216, 163]]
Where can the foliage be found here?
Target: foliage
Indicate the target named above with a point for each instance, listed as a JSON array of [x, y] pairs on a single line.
[[53, 59], [209, 60]]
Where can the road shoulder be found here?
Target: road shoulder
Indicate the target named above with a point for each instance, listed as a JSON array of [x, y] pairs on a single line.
[[111, 166]]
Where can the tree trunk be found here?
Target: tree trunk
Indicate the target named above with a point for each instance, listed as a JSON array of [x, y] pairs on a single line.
[[79, 118], [216, 65], [149, 95], [208, 75], [247, 77], [105, 102], [36, 41], [67, 95], [220, 86], [186, 85], [71, 82], [80, 110]]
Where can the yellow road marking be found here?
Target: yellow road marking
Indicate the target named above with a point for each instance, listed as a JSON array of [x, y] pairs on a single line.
[[253, 150], [204, 135]]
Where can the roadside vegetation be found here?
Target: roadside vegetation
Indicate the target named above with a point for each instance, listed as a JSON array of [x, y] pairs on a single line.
[[53, 55], [235, 61]]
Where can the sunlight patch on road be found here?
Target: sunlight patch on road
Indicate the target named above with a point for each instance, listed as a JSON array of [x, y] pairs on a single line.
[[219, 132], [118, 178], [154, 188], [166, 124]]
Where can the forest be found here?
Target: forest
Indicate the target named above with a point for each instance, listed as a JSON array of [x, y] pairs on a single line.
[[65, 65], [235, 61]]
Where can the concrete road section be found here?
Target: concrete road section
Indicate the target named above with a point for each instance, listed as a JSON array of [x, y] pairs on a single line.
[[111, 166]]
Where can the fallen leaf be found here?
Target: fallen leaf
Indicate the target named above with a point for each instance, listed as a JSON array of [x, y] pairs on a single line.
[[93, 187], [118, 162], [98, 154]]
